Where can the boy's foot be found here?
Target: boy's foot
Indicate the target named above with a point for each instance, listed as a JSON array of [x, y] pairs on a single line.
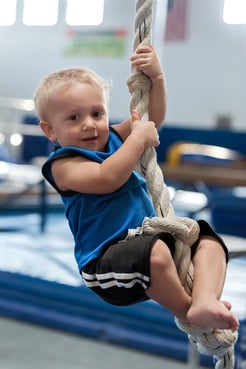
[[214, 314]]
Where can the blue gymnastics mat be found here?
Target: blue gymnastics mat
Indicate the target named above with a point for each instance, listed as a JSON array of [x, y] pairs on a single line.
[[144, 326]]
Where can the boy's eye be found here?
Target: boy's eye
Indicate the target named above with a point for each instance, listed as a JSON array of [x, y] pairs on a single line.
[[74, 117], [97, 114]]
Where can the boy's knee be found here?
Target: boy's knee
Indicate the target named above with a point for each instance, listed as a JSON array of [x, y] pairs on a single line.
[[207, 231], [209, 245], [160, 255]]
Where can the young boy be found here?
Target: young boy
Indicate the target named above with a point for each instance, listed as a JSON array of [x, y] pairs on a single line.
[[93, 169]]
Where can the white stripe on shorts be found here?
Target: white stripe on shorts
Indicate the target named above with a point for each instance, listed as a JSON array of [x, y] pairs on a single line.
[[107, 280]]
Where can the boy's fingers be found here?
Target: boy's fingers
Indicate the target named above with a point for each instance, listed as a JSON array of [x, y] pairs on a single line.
[[135, 115], [144, 48]]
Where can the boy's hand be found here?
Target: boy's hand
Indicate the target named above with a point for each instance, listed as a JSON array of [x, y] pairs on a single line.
[[147, 61], [144, 131]]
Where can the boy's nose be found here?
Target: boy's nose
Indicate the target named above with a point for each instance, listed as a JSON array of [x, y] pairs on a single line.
[[89, 123]]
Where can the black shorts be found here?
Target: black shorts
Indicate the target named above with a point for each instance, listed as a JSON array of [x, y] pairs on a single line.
[[121, 274]]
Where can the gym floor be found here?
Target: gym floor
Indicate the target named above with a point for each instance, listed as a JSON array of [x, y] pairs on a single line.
[[26, 346]]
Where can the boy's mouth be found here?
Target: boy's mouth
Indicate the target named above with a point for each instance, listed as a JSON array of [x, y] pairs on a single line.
[[94, 138]]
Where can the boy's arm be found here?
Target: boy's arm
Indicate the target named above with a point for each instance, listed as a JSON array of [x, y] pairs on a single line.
[[157, 106], [86, 176], [147, 61]]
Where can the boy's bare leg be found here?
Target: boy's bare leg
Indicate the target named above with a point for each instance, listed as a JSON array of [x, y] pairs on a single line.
[[205, 308], [166, 288], [209, 276]]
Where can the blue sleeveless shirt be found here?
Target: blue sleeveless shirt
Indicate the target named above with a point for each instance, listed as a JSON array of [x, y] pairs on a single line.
[[97, 220]]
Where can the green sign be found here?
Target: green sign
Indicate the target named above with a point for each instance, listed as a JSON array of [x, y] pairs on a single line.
[[96, 43]]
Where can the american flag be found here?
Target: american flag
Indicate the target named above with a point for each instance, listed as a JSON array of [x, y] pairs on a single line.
[[176, 23]]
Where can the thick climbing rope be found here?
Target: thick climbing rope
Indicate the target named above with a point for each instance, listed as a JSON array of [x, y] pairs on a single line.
[[218, 343]]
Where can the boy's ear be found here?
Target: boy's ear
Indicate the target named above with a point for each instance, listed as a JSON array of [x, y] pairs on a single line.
[[47, 129]]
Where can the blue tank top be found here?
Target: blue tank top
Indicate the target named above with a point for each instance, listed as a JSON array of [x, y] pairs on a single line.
[[97, 220]]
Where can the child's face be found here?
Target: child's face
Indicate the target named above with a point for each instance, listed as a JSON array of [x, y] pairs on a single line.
[[78, 117]]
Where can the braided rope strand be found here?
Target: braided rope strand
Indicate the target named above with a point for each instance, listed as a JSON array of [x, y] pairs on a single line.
[[216, 342]]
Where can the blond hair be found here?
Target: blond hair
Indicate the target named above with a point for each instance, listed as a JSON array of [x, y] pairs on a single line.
[[60, 81]]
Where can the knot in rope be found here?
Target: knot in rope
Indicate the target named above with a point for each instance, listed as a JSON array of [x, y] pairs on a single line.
[[184, 228], [209, 341], [139, 86], [139, 82]]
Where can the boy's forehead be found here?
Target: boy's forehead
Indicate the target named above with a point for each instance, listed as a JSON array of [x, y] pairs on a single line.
[[78, 90], [66, 85]]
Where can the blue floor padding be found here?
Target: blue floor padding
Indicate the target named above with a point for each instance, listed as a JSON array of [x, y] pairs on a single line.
[[144, 326], [228, 211]]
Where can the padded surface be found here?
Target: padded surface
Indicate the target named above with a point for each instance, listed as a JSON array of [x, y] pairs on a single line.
[[228, 211], [226, 138]]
